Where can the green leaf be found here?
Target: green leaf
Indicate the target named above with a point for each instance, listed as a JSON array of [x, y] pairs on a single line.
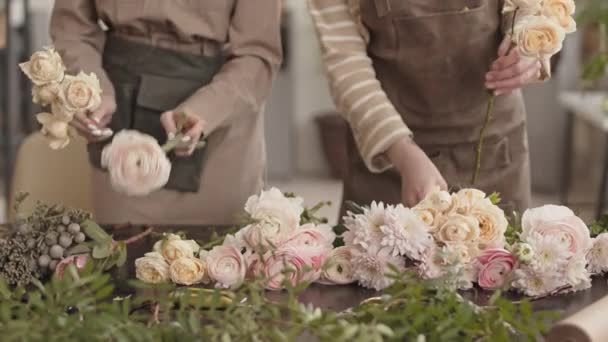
[[495, 198], [122, 254], [83, 248], [101, 251], [95, 232]]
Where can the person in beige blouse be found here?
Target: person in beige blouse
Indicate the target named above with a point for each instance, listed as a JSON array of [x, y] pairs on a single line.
[[213, 60], [412, 79]]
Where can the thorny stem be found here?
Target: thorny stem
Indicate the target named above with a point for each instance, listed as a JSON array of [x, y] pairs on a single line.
[[135, 238], [488, 117]]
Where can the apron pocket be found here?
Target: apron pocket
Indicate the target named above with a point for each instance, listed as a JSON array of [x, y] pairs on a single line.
[[495, 155], [156, 95]]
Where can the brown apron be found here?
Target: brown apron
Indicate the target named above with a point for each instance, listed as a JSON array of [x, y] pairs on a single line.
[[431, 57]]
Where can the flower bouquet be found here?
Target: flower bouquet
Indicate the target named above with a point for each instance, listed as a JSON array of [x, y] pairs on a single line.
[[67, 95], [458, 240], [137, 164], [538, 29]]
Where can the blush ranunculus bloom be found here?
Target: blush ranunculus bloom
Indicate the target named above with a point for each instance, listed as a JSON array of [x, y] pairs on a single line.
[[560, 222], [495, 267], [136, 163], [79, 261], [294, 265], [226, 266]]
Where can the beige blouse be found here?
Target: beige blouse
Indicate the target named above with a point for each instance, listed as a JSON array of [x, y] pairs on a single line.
[[201, 27]]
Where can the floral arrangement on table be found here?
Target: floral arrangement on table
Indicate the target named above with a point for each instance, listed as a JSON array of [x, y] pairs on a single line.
[[458, 240], [538, 29], [277, 245], [52, 237], [137, 163]]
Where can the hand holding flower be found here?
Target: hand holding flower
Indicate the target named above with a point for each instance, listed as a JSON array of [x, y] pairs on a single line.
[[188, 127], [511, 71]]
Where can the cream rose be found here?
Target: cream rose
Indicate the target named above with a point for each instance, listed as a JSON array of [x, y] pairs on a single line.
[[561, 11], [275, 217], [80, 93], [226, 266], [492, 224], [45, 95], [538, 37], [187, 271], [44, 67], [458, 229], [528, 6], [172, 247], [56, 130], [152, 268], [136, 163], [559, 222], [338, 268]]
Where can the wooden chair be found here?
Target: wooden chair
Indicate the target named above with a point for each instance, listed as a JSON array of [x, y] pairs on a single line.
[[54, 177]]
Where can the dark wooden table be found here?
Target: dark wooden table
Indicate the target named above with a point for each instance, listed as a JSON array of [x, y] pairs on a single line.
[[342, 297]]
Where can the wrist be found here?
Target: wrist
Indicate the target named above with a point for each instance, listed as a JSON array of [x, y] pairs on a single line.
[[399, 150]]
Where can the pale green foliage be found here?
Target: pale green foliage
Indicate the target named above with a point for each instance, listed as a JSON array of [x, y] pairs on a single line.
[[81, 308]]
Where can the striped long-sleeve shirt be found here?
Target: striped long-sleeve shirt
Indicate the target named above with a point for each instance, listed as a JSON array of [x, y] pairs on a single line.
[[375, 122], [358, 95]]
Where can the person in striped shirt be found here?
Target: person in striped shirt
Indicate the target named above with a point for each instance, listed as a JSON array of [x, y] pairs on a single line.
[[412, 77]]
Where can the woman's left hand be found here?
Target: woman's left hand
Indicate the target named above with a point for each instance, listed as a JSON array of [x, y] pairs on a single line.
[[512, 71], [193, 130]]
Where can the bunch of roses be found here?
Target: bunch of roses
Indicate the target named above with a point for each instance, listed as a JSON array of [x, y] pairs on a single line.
[[541, 26], [173, 259], [440, 237], [65, 94], [274, 247]]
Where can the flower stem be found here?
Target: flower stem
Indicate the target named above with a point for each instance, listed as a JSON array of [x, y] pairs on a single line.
[[481, 139], [488, 116]]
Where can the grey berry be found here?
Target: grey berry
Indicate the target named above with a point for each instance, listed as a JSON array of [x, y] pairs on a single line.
[[61, 229], [51, 238], [80, 237], [44, 260], [25, 228], [74, 228], [31, 243], [65, 220], [56, 252], [53, 264], [65, 240], [45, 249]]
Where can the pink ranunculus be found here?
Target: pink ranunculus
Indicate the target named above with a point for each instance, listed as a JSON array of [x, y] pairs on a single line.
[[558, 221], [226, 266], [136, 163], [79, 261], [314, 236], [495, 266], [294, 265]]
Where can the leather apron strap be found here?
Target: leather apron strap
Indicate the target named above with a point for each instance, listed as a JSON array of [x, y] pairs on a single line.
[[149, 81], [431, 57]]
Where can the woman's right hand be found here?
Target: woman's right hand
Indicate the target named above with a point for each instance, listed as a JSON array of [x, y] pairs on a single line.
[[419, 175], [93, 126]]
